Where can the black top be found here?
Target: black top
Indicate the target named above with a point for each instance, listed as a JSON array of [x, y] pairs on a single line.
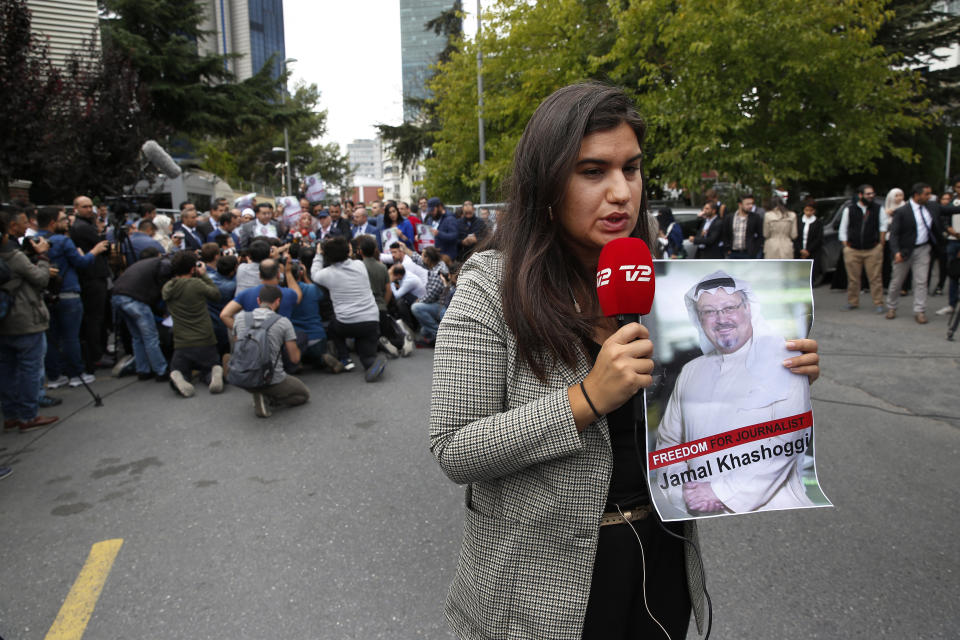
[[628, 483]]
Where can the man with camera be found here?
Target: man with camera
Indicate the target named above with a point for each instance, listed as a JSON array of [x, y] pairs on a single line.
[[93, 284], [64, 360], [22, 329], [194, 342]]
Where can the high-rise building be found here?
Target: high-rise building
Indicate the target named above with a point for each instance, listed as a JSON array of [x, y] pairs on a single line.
[[365, 157], [65, 26], [419, 48], [251, 28]]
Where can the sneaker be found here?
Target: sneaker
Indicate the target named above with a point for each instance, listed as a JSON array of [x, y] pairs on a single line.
[[332, 363], [947, 310], [47, 401], [260, 406], [4, 472], [180, 384], [405, 328], [376, 369], [348, 364], [879, 309], [59, 382], [37, 423], [387, 346], [408, 345], [938, 291], [424, 343], [88, 378], [216, 379], [126, 366]]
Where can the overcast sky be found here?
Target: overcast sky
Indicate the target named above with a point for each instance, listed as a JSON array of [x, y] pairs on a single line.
[[351, 51]]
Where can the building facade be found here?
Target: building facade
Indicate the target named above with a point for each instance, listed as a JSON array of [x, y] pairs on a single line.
[[419, 48], [66, 27], [251, 28], [365, 157]]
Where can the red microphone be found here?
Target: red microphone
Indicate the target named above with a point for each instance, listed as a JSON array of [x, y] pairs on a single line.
[[625, 281]]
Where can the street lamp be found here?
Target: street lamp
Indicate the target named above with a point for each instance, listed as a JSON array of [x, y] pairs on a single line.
[[286, 135]]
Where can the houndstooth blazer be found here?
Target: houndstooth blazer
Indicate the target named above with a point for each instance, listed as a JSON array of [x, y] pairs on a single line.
[[536, 487]]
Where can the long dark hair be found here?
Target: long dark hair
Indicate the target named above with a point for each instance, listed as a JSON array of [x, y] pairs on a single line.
[[541, 277]]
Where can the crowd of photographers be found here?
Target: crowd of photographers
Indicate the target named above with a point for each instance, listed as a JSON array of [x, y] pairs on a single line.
[[249, 295]]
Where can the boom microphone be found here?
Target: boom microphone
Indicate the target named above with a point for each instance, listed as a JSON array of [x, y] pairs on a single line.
[[625, 280], [160, 159]]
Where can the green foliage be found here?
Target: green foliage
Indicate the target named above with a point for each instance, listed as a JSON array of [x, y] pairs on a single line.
[[759, 90], [529, 50], [249, 154], [189, 92], [763, 90]]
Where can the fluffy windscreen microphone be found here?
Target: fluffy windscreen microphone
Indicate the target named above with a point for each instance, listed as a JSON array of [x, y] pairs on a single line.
[[625, 281], [160, 159]]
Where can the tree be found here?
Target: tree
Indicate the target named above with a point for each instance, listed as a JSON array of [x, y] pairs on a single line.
[[189, 92], [805, 95], [412, 141], [69, 130], [760, 91], [251, 156], [29, 85], [529, 50]]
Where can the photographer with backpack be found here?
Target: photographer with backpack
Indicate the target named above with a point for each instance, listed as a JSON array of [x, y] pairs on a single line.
[[257, 362]]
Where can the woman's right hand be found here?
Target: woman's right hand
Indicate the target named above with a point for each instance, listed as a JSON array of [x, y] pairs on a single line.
[[623, 367]]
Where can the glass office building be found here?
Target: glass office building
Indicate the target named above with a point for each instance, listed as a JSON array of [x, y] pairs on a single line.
[[419, 48], [251, 28], [266, 34]]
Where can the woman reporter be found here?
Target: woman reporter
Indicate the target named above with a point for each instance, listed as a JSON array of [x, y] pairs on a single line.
[[509, 418]]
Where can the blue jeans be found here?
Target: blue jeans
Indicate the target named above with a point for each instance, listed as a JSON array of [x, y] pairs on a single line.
[[63, 339], [953, 246], [21, 363], [143, 332], [429, 315]]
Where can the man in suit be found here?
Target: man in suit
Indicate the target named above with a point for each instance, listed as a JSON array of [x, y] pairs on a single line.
[[262, 226], [709, 239], [916, 226], [809, 240], [742, 232], [211, 222], [362, 225], [192, 240], [341, 226]]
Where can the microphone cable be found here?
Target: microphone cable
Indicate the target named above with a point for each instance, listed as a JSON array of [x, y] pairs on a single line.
[[703, 574]]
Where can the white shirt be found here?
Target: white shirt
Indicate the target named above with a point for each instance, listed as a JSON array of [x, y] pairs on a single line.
[[719, 392], [845, 221], [408, 265], [266, 230], [924, 223], [806, 228], [409, 284], [349, 287]]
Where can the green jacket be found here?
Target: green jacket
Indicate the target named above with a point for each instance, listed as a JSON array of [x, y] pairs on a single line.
[[28, 314], [186, 299]]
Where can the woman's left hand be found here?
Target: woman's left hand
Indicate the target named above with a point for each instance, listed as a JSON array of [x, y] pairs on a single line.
[[807, 363]]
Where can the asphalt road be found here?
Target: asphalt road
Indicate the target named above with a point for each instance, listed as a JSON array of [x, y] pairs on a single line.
[[333, 521]]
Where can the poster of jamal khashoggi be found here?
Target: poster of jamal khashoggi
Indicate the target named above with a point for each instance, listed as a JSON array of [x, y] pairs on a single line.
[[730, 429]]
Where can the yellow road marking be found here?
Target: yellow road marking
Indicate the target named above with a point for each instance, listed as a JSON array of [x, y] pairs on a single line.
[[75, 613]]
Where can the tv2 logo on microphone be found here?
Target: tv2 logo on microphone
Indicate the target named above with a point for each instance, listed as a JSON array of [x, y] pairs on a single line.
[[634, 273]]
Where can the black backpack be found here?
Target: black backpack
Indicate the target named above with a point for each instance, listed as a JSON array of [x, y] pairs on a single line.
[[250, 364]]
